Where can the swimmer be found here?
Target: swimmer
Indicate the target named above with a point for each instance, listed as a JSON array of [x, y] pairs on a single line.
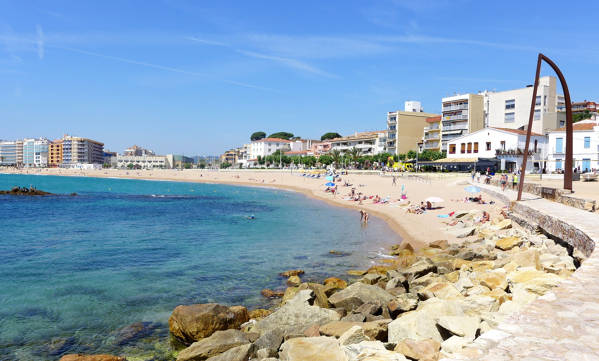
[[251, 217]]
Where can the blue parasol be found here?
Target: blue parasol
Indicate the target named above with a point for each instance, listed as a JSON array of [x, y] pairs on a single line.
[[472, 189], [330, 184]]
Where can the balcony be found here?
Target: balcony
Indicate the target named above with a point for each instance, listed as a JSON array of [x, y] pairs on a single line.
[[516, 152], [455, 127], [431, 136], [448, 108], [456, 117], [432, 128]]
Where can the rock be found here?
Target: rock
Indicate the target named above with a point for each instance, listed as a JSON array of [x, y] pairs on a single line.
[[420, 268], [355, 334], [270, 340], [463, 326], [294, 281], [375, 330], [311, 348], [335, 283], [312, 331], [441, 244], [354, 317], [194, 322], [357, 294], [296, 315], [264, 353], [508, 243], [402, 303], [454, 344], [369, 308], [443, 290], [259, 313], [319, 291], [370, 278], [493, 279], [477, 304], [290, 293], [462, 232], [371, 351], [295, 272], [504, 224], [425, 350], [528, 258], [426, 280], [82, 357], [239, 353], [532, 280], [133, 332], [354, 272], [339, 253], [378, 269], [58, 346], [397, 291], [218, 342], [268, 293]]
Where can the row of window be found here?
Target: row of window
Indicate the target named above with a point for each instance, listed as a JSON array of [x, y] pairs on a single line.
[[469, 147], [559, 144], [586, 164]]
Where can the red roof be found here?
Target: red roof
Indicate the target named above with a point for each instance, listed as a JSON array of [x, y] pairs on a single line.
[[433, 119], [274, 140], [297, 152], [578, 127], [517, 131]]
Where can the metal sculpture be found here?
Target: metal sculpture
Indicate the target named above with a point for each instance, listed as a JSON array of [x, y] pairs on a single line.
[[569, 162]]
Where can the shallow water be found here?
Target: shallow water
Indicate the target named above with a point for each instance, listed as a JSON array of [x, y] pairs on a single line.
[[75, 269]]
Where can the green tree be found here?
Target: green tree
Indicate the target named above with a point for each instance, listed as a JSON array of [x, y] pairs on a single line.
[[576, 117], [330, 135], [336, 156], [257, 136], [281, 135], [412, 154], [431, 155], [325, 159], [225, 165], [354, 154]]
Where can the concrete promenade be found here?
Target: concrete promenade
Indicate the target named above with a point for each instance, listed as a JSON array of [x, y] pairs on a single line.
[[564, 323]]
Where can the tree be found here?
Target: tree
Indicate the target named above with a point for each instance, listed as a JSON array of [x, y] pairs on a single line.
[[225, 165], [281, 135], [354, 154], [431, 155], [257, 136], [325, 159], [336, 156], [576, 117], [412, 154], [330, 135]]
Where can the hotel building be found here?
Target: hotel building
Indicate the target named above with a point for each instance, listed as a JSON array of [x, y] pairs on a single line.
[[11, 153], [35, 152], [432, 134], [55, 153], [405, 128], [77, 150], [462, 114], [369, 143]]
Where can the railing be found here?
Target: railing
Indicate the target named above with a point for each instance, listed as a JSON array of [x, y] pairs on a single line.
[[516, 151], [428, 129], [456, 117], [427, 137], [456, 127], [455, 107]]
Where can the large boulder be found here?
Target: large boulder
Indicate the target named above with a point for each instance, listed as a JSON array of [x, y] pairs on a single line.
[[354, 335], [463, 326], [297, 315], [81, 357], [194, 322], [444, 290], [270, 340], [402, 303], [375, 330], [419, 268], [371, 351], [357, 294], [423, 350], [532, 280], [217, 343], [239, 353], [311, 349]]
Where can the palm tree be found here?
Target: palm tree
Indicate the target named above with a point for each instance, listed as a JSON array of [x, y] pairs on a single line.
[[336, 155], [354, 154]]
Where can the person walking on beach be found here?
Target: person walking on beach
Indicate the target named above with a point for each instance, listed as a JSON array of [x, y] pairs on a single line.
[[394, 181], [361, 216], [478, 176], [365, 218]]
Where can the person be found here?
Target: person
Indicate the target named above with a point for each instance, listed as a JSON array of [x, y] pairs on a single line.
[[361, 215], [514, 181], [429, 205], [394, 181], [472, 174], [478, 176], [365, 217], [251, 217], [503, 181]]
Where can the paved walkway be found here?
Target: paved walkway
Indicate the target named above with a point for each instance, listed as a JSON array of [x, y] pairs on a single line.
[[564, 323]]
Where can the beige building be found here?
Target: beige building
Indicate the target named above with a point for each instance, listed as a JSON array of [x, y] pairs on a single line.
[[77, 150], [369, 143], [462, 114], [404, 130], [55, 153], [432, 134]]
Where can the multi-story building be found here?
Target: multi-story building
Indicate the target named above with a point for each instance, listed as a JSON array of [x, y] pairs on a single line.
[[432, 134], [142, 161], [35, 152], [230, 156], [579, 107], [462, 114], [319, 148], [77, 150], [369, 143], [137, 150], [267, 146], [405, 129], [585, 147], [511, 108], [507, 145], [11, 153], [55, 153]]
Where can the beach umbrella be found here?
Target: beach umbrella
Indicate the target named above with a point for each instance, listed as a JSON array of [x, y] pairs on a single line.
[[434, 200], [330, 184], [472, 189], [329, 178]]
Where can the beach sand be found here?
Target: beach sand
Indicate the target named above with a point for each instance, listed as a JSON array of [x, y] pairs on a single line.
[[419, 229]]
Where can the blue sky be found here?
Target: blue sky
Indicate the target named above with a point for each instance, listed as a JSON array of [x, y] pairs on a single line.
[[198, 77]]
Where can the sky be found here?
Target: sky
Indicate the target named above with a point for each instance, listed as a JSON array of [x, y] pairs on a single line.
[[198, 77]]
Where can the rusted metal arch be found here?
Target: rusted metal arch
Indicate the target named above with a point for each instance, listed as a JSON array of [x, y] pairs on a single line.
[[569, 128]]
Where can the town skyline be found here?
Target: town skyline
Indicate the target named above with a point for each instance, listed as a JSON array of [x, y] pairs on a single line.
[[186, 78]]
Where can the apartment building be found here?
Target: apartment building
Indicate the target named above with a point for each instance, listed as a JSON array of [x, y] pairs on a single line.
[[138, 151], [142, 161], [432, 134], [11, 153], [413, 106], [462, 114], [35, 152], [405, 129], [579, 107], [369, 143], [585, 147], [511, 108], [55, 153], [267, 146], [77, 150]]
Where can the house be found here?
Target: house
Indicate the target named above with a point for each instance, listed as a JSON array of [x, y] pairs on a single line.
[[585, 147]]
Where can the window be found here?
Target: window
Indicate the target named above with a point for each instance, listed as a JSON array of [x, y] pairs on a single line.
[[536, 144], [545, 100], [562, 123], [488, 145], [463, 148], [538, 100], [510, 117], [586, 164], [469, 147], [587, 142], [559, 145], [558, 164], [510, 104], [537, 114], [452, 149], [502, 144], [476, 147]]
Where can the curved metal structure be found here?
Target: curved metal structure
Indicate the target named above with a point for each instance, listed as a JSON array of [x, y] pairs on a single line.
[[569, 148]]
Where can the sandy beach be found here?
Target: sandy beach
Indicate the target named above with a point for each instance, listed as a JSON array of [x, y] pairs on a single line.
[[420, 229]]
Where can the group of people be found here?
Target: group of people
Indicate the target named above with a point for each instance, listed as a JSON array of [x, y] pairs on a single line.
[[476, 174], [364, 216]]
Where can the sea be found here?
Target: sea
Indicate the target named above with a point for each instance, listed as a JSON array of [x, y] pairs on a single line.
[[102, 270]]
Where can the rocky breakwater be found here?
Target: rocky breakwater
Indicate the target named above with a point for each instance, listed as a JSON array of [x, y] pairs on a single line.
[[424, 304], [24, 191]]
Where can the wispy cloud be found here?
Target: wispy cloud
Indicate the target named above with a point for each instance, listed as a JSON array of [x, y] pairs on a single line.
[[40, 41]]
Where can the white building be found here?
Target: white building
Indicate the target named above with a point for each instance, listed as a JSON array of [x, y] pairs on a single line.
[[585, 147], [267, 146], [507, 145], [142, 161], [511, 108], [35, 152], [462, 114], [369, 143], [413, 106]]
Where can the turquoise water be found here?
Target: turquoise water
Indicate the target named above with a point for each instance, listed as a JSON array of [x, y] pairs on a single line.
[[76, 269]]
